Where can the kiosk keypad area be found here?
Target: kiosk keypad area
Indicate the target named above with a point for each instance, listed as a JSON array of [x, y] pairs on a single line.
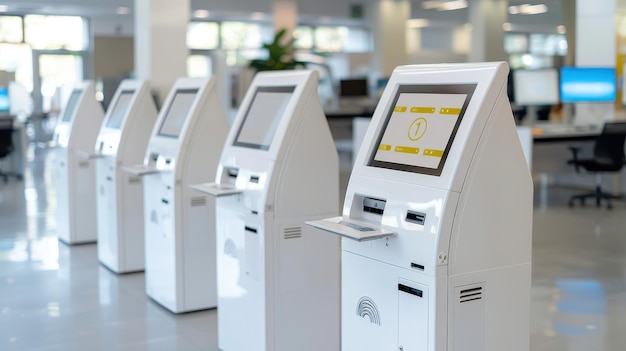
[[437, 218]]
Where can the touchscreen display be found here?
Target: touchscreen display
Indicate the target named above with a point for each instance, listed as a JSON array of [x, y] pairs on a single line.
[[71, 105], [120, 109], [177, 113], [263, 117], [420, 127]]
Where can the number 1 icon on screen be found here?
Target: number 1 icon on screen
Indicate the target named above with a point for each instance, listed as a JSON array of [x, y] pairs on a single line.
[[418, 129]]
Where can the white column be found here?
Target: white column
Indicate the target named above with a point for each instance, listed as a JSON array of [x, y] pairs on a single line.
[[487, 18], [595, 46], [285, 17], [389, 28], [160, 42]]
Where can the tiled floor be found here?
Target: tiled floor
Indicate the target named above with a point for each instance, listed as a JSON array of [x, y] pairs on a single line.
[[55, 297]]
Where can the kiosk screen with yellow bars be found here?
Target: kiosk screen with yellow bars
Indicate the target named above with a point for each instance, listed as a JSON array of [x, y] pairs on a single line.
[[420, 127]]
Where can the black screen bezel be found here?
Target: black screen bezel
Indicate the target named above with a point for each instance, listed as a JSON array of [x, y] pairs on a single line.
[[262, 89], [169, 109], [465, 88]]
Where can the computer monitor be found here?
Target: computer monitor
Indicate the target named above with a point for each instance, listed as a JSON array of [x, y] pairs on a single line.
[[588, 84], [177, 113], [120, 109], [536, 87], [353, 88], [263, 117], [420, 127], [5, 105], [71, 105]]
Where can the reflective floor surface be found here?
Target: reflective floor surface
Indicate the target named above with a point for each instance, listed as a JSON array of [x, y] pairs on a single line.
[[55, 297]]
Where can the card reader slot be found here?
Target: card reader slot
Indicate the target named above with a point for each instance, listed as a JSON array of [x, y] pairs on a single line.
[[254, 179], [375, 206], [232, 172], [250, 229], [415, 217]]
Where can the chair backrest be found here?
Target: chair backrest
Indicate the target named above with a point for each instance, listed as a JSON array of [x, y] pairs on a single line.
[[6, 135], [609, 146]]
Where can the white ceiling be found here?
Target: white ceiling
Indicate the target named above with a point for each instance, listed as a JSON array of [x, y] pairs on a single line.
[[102, 12]]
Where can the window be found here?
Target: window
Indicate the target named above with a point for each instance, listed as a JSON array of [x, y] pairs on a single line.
[[56, 72], [304, 37], [18, 58], [342, 39], [11, 30], [55, 32], [203, 35], [199, 66], [243, 35]]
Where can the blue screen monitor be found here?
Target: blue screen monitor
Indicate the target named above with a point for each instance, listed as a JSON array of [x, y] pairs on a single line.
[[4, 99], [588, 84]]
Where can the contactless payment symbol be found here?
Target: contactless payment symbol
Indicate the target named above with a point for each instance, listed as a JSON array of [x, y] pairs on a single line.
[[418, 129]]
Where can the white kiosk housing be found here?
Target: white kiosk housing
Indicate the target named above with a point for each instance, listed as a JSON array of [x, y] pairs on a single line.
[[184, 149], [75, 135], [122, 141], [438, 218], [278, 280]]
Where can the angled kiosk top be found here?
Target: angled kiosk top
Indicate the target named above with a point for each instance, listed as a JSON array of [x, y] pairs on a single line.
[[271, 113], [132, 99], [81, 111], [185, 103], [441, 156]]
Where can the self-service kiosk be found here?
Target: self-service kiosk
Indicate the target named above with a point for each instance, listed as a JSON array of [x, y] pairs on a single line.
[[75, 134], [437, 218], [122, 141], [184, 149], [278, 280]]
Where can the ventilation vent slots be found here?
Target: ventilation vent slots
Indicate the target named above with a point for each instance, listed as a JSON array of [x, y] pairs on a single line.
[[198, 201], [472, 294], [367, 308], [293, 233]]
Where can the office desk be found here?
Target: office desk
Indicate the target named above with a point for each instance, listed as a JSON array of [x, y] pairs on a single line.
[[554, 133]]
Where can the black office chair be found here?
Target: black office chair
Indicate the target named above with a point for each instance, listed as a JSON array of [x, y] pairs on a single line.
[[608, 157], [6, 141]]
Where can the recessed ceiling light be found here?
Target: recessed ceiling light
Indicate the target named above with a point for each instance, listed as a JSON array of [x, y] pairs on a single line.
[[201, 13], [440, 5], [4, 8], [122, 10], [507, 27], [527, 9], [561, 29], [417, 23]]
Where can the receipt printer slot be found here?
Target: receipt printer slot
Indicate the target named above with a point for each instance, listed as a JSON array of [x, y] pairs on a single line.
[[415, 217]]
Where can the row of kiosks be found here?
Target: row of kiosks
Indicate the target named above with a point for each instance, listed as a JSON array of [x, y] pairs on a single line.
[[75, 135], [437, 218], [183, 149], [278, 279], [122, 141]]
